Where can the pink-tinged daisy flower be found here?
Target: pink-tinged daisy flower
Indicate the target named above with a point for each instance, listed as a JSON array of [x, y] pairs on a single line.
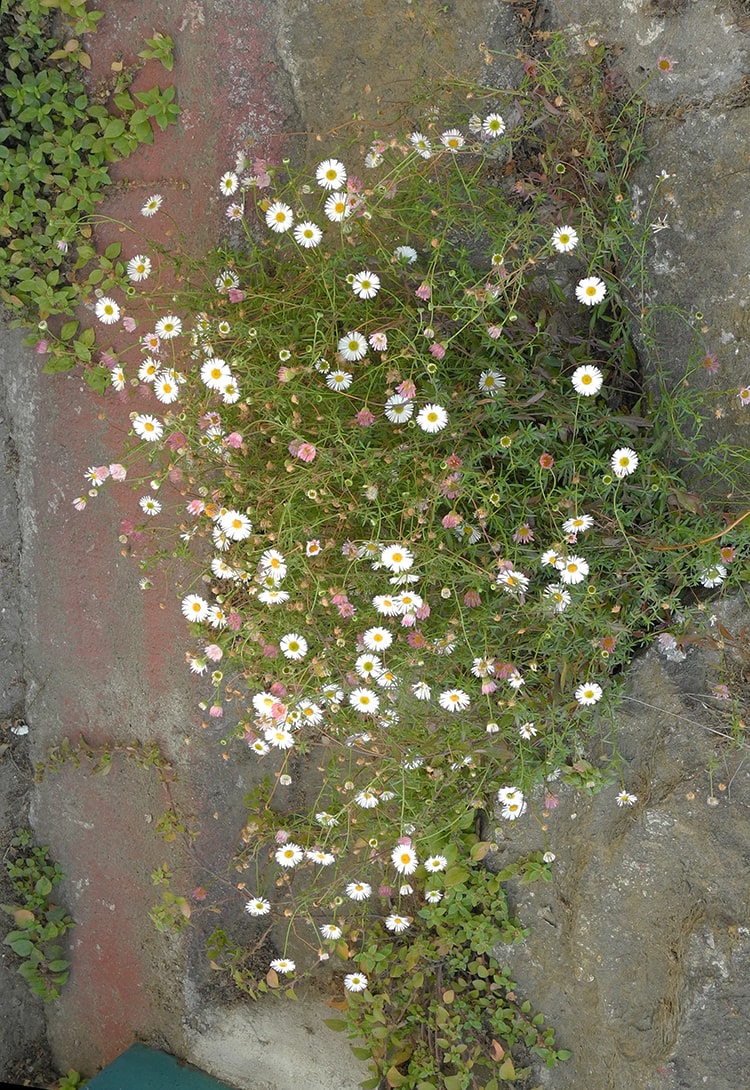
[[590, 291], [665, 64], [744, 395], [624, 461], [378, 341], [587, 380], [589, 693], [279, 217], [152, 205], [331, 174], [564, 239]]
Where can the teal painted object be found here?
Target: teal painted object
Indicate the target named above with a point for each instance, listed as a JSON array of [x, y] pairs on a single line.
[[142, 1068]]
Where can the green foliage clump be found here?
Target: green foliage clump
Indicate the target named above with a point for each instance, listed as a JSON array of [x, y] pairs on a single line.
[[57, 140], [39, 922]]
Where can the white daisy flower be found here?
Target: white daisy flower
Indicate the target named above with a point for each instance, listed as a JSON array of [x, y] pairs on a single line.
[[283, 965], [579, 524], [226, 280], [148, 427], [557, 596], [396, 558], [366, 284], [624, 461], [421, 144], [331, 174], [330, 931], [404, 859], [452, 139], [385, 604], [308, 235], [236, 525], [527, 731], [491, 382], [337, 207], [513, 810], [368, 800], [587, 380], [339, 380], [355, 982], [368, 666], [139, 268], [279, 217], [358, 891], [589, 693], [493, 125], [229, 183], [573, 570], [513, 582], [432, 418], [550, 557], [353, 347], [564, 239], [289, 854], [317, 855], [148, 370], [405, 255], [272, 565], [293, 646], [258, 906], [713, 576], [626, 799], [230, 391], [194, 607], [433, 896], [399, 409], [509, 793], [364, 701], [165, 388], [377, 639], [152, 205], [435, 863], [149, 505], [397, 924], [590, 291], [168, 327], [421, 690], [107, 310], [454, 700], [216, 617]]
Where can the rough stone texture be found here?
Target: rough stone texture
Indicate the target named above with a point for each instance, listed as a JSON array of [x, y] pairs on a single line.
[[639, 949]]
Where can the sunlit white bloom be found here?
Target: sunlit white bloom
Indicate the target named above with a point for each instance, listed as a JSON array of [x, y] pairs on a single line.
[[386, 679], [433, 896], [368, 666], [512, 581], [152, 205], [587, 380], [194, 607], [377, 639], [149, 369], [626, 799], [226, 280], [148, 427], [564, 239], [589, 693], [452, 139], [387, 605], [396, 558], [512, 810], [550, 557], [168, 327], [149, 505], [272, 565], [307, 234], [432, 418], [572, 569], [339, 380], [328, 821], [331, 174], [527, 731], [293, 646], [289, 854], [364, 701], [323, 859], [435, 863], [216, 617], [166, 389], [273, 597], [421, 690], [404, 859], [139, 268], [624, 461], [230, 391], [355, 982], [454, 700], [236, 525], [590, 291], [515, 679], [368, 800], [221, 569], [229, 183], [279, 217], [483, 667], [283, 965], [337, 207]]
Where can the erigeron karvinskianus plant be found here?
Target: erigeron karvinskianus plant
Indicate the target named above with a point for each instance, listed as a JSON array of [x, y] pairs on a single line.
[[406, 419]]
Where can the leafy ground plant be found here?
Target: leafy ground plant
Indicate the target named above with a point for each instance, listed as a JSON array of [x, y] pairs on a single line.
[[39, 922], [57, 140], [433, 510]]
